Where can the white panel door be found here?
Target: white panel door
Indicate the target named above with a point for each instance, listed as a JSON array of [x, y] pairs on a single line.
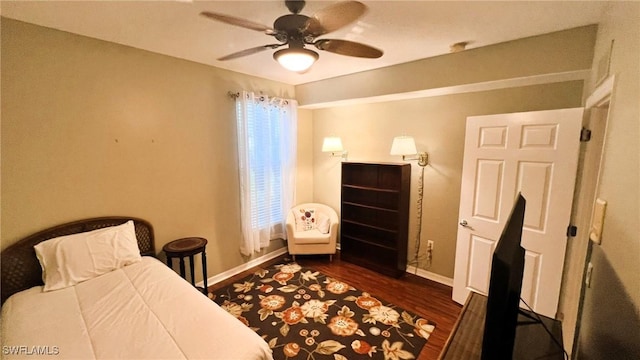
[[535, 153]]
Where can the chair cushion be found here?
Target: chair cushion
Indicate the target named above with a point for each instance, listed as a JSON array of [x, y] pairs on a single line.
[[310, 237], [323, 223]]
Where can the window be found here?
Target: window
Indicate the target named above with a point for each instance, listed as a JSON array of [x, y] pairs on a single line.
[[266, 149], [265, 165]]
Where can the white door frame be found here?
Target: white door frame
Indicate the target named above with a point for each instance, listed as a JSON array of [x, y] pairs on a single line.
[[572, 296]]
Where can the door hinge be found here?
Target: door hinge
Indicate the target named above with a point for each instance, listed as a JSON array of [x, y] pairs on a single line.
[[572, 230], [585, 135]]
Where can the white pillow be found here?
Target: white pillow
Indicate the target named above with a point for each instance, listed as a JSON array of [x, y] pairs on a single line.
[[305, 219], [323, 223], [71, 259]]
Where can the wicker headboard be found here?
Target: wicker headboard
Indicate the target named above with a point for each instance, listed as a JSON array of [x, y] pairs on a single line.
[[20, 269]]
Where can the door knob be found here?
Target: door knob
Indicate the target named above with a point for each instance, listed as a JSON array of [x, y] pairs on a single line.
[[464, 223]]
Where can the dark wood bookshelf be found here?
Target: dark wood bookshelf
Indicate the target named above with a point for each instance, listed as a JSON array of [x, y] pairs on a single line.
[[375, 215]]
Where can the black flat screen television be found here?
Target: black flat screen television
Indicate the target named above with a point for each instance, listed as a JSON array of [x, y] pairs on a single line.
[[505, 284]]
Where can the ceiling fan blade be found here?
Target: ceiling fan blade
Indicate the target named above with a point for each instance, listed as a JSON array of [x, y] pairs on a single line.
[[349, 48], [334, 17], [232, 20], [250, 51]]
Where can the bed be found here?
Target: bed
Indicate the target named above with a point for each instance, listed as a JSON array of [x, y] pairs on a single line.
[[140, 309]]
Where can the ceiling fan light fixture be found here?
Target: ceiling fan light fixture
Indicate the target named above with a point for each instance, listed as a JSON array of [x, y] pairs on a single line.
[[296, 59]]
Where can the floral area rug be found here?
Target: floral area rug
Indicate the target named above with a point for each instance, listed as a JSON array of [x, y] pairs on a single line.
[[303, 314]]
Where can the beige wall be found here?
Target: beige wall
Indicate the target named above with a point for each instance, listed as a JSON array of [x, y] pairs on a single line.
[[559, 52], [610, 316], [438, 122], [91, 128], [304, 174], [438, 126]]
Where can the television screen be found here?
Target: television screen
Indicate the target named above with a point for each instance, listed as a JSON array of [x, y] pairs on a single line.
[[503, 299]]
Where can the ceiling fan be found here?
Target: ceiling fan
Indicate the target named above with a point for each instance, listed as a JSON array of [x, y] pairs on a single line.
[[297, 30]]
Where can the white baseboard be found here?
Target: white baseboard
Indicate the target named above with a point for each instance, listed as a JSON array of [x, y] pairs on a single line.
[[246, 266], [430, 276], [426, 274], [272, 255]]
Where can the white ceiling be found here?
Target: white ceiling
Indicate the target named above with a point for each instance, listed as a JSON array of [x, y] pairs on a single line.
[[405, 30]]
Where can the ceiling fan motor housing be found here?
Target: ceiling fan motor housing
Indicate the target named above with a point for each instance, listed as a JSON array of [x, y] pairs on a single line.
[[290, 28]]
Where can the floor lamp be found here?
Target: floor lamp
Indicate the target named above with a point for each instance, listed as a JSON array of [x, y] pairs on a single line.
[[406, 146]]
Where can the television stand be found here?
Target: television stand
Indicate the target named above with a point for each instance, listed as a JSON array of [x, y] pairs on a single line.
[[526, 318], [532, 341]]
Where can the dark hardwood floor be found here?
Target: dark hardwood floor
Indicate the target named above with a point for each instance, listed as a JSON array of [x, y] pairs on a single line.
[[426, 298]]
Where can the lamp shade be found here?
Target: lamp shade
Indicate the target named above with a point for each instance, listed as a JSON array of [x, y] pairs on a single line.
[[332, 144], [296, 59], [403, 145]]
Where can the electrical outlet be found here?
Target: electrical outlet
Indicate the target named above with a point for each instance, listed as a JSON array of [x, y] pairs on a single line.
[[429, 250]]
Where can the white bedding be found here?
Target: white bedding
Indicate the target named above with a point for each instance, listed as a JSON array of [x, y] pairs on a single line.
[[141, 311]]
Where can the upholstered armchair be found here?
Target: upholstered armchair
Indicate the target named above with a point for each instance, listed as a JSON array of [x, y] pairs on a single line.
[[312, 228]]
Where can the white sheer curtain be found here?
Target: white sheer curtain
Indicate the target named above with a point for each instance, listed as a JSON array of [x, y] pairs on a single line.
[[267, 137]]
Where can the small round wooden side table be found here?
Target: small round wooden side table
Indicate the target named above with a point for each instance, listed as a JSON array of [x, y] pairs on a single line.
[[184, 247]]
